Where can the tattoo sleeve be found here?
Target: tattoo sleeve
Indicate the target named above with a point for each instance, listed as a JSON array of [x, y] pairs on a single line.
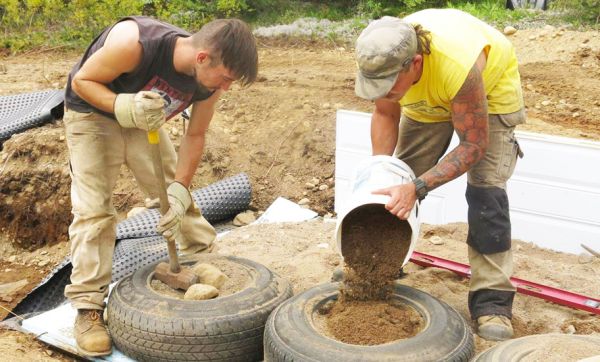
[[470, 121]]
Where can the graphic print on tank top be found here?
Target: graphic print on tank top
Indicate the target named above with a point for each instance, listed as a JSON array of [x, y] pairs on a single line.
[[175, 100]]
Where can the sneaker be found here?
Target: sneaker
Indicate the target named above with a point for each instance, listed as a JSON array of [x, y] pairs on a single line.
[[91, 334], [494, 327]]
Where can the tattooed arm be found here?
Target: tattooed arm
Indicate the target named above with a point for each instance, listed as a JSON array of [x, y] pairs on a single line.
[[470, 121]]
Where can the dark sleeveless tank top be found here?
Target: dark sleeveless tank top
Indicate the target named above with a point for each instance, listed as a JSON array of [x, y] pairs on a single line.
[[156, 71]]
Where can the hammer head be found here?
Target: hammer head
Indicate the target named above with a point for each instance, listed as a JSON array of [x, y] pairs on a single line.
[[182, 280]]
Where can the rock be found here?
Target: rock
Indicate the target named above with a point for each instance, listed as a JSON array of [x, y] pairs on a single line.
[[61, 138], [210, 275], [546, 103], [10, 288], [12, 258], [576, 114], [315, 181], [244, 218], [533, 37], [570, 329], [43, 263], [323, 187], [509, 30], [309, 185], [44, 252], [436, 240], [136, 210], [152, 203], [233, 139], [304, 201], [326, 106], [201, 292]]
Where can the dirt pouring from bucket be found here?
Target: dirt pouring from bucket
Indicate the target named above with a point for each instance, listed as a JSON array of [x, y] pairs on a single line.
[[374, 245]]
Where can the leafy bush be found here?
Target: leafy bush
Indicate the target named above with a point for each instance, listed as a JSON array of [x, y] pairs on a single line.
[[74, 23], [579, 11]]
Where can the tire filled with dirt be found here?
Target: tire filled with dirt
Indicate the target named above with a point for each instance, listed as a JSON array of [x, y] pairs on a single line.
[[151, 326], [293, 331]]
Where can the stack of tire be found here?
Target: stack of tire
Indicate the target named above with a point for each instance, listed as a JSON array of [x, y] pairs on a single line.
[[263, 320]]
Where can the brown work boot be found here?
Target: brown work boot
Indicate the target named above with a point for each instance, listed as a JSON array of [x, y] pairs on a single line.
[[494, 327], [91, 334]]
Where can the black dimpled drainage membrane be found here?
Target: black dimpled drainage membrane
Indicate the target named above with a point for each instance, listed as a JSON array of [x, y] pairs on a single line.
[[218, 201], [23, 111], [140, 244]]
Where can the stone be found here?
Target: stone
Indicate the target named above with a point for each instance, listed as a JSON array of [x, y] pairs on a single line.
[[210, 275], [509, 30], [152, 203], [136, 210], [315, 181], [61, 138], [309, 185], [43, 263], [12, 258], [326, 105], [570, 329], [201, 292], [436, 240], [10, 288], [304, 201], [323, 187], [244, 218], [546, 103]]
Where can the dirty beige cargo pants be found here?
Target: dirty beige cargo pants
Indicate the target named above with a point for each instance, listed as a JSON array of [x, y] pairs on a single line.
[[421, 145], [98, 147]]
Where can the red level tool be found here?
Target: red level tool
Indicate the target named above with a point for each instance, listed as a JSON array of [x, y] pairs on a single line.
[[555, 295]]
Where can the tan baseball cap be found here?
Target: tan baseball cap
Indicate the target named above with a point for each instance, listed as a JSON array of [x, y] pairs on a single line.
[[383, 48]]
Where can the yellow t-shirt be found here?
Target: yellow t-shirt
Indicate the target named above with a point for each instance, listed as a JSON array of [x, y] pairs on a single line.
[[457, 39]]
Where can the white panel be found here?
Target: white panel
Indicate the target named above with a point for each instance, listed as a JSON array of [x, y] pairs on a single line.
[[554, 193]]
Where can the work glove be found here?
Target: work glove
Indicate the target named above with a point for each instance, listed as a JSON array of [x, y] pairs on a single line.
[[180, 200], [144, 110]]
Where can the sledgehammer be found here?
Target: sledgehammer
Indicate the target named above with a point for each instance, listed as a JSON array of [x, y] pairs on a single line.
[[171, 274]]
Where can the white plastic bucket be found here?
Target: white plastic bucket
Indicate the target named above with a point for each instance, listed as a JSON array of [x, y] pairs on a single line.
[[379, 172]]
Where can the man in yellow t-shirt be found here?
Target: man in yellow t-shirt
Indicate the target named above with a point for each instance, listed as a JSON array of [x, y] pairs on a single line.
[[436, 72]]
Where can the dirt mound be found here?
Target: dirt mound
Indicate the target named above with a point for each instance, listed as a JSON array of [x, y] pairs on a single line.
[[370, 322], [35, 188]]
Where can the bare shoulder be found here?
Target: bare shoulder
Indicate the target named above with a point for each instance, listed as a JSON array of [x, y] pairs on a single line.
[[124, 37], [122, 43]]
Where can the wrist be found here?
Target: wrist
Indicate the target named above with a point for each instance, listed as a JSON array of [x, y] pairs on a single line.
[[178, 191], [420, 188], [122, 110]]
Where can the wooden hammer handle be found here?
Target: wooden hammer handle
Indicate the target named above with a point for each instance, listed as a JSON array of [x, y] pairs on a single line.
[[154, 140]]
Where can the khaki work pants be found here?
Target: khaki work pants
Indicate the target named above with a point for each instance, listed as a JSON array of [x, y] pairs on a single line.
[[98, 147], [421, 145]]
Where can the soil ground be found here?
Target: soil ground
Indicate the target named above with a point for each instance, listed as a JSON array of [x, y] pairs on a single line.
[[281, 132]]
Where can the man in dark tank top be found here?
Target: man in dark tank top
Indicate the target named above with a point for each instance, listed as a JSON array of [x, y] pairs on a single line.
[[133, 77]]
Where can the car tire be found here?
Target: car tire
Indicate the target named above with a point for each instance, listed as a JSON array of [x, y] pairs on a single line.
[[149, 326], [291, 336]]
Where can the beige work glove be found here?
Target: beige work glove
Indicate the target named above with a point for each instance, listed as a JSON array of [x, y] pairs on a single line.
[[144, 110], [180, 200]]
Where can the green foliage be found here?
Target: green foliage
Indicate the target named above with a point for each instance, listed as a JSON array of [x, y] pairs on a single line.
[[494, 11], [74, 23], [579, 12], [35, 23]]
